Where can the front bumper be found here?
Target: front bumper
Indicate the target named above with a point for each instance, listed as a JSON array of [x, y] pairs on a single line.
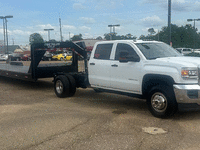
[[187, 93]]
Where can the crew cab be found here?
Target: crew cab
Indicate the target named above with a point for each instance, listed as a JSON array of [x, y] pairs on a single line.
[[148, 70]]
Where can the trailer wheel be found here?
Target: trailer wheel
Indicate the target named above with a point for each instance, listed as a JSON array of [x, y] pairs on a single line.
[[61, 59], [62, 86], [161, 101], [72, 82]]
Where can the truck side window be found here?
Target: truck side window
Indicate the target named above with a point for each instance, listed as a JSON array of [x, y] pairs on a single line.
[[103, 51], [122, 47]]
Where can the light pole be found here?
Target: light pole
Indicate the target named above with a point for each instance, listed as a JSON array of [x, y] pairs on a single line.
[[169, 20], [5, 28], [48, 32], [117, 25], [194, 28], [113, 26]]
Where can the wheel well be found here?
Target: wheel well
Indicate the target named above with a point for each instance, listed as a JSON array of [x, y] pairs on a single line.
[[151, 80]]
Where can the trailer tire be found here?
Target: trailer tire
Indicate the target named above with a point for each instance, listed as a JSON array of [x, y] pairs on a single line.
[[72, 87], [62, 86], [161, 101]]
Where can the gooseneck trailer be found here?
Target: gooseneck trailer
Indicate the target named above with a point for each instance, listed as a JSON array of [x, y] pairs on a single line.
[[66, 75]]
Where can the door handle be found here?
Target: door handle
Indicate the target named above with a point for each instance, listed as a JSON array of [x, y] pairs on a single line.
[[92, 63], [114, 65]]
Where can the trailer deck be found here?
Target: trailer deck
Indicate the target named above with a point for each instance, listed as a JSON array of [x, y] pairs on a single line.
[[16, 69]]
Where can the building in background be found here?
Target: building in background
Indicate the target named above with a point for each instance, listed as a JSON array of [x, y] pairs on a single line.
[[11, 48]]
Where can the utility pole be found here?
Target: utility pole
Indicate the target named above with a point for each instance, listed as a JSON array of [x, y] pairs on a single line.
[[60, 30], [48, 32], [4, 35], [69, 36], [13, 41], [169, 21], [5, 28]]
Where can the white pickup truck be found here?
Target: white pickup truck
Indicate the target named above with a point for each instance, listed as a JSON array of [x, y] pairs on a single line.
[[149, 70]]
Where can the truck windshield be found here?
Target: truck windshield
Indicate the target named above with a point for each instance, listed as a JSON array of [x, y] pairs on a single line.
[[157, 50]]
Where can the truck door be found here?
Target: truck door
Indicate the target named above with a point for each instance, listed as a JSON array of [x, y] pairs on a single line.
[[126, 76], [99, 65]]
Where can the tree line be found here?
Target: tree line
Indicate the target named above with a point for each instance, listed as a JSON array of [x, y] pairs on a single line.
[[184, 36]]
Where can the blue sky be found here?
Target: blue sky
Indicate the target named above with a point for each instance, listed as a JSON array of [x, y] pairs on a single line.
[[92, 17]]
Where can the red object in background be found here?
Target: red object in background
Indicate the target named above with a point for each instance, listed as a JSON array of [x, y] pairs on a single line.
[[89, 48], [25, 57]]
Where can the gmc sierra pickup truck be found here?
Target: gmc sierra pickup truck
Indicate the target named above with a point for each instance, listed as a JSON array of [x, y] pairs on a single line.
[[147, 69]]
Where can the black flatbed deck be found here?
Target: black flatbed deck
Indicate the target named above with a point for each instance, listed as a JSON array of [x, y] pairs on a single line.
[[36, 69], [13, 68]]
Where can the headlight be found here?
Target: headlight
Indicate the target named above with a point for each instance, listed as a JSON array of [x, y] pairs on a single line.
[[189, 73]]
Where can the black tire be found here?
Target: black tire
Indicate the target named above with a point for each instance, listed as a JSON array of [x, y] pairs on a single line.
[[72, 82], [62, 86], [49, 59], [161, 101], [61, 59]]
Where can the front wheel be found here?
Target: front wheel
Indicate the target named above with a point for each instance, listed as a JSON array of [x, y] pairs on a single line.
[[161, 101]]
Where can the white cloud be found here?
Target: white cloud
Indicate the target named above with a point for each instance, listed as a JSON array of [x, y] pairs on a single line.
[[97, 4], [87, 20], [152, 21], [111, 4], [19, 32], [69, 27], [196, 6], [87, 36], [78, 6], [47, 26], [177, 5], [84, 28]]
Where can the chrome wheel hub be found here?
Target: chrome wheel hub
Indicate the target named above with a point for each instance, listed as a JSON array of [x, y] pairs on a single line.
[[59, 86], [159, 102]]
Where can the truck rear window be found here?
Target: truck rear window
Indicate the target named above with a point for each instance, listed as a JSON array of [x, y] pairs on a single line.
[[103, 51]]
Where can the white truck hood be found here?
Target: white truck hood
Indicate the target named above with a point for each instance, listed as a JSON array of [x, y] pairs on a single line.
[[182, 61]]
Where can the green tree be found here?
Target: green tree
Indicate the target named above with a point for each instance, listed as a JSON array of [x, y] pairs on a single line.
[[35, 38], [151, 31], [99, 38], [114, 36], [180, 36], [52, 40], [110, 36], [77, 37]]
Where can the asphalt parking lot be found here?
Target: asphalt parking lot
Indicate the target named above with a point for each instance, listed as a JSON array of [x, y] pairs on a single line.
[[33, 118]]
